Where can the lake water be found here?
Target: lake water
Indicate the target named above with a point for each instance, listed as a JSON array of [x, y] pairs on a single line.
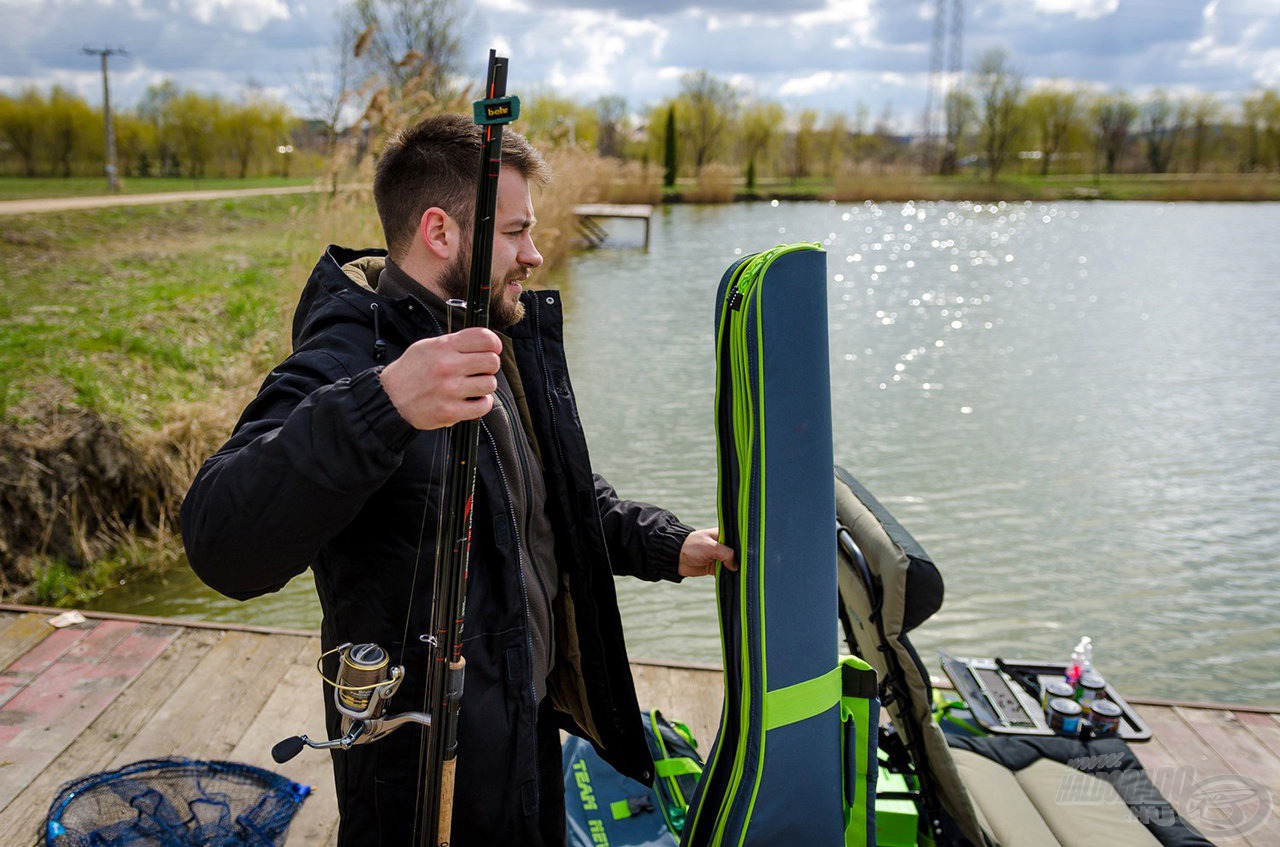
[[1072, 406]]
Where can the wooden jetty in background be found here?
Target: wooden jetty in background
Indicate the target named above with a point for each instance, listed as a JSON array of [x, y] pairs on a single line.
[[589, 215], [118, 688]]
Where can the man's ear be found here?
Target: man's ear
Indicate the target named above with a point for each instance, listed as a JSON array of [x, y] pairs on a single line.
[[439, 232]]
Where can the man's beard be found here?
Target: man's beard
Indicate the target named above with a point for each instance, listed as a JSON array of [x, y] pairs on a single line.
[[503, 313]]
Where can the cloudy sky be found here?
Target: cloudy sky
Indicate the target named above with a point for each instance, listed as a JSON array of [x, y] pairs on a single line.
[[828, 54]]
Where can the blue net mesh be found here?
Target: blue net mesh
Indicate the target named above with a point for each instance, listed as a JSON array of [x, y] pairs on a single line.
[[174, 803]]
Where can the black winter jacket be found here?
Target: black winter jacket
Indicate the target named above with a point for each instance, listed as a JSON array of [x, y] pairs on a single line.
[[322, 471]]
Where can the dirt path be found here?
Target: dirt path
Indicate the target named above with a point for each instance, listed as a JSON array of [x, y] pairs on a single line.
[[62, 204]]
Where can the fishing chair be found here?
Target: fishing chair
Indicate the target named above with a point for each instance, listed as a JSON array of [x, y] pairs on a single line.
[[990, 791]]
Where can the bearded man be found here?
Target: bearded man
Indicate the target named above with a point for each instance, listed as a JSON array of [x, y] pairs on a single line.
[[338, 465]]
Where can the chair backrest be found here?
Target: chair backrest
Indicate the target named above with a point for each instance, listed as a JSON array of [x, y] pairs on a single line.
[[888, 585]]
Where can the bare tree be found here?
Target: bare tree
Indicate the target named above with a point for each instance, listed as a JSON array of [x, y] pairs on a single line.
[[999, 93], [760, 124], [1205, 112], [413, 40], [611, 111], [22, 125], [711, 103], [1162, 124], [1113, 118], [326, 86], [1052, 112], [803, 144], [960, 109]]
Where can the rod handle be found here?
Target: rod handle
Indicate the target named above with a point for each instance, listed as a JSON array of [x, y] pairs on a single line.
[[447, 775]]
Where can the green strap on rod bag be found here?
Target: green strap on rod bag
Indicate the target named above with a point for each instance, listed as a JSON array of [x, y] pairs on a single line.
[[794, 758]]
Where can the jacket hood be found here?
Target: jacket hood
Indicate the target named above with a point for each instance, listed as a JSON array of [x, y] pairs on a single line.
[[340, 289]]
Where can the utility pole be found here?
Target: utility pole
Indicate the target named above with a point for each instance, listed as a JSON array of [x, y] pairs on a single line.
[[113, 177]]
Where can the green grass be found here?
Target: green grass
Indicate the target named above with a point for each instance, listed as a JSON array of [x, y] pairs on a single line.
[[127, 311], [25, 188]]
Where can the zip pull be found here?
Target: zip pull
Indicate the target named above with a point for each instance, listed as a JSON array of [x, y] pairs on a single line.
[[379, 344], [735, 298]]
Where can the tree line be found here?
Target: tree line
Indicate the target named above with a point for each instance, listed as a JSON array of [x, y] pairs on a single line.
[[397, 59], [991, 123], [171, 133]]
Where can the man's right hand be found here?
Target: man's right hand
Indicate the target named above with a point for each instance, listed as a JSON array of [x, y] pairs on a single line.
[[441, 381]]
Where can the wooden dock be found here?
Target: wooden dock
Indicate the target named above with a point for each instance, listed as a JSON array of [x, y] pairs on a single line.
[[116, 689], [589, 215]]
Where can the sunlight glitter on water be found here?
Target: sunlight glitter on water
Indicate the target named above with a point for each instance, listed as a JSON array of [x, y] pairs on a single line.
[[1069, 447]]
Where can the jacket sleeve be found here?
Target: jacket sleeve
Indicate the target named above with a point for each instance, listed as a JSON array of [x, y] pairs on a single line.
[[643, 540], [307, 453]]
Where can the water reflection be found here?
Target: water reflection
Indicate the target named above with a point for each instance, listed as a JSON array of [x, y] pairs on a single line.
[[1070, 405]]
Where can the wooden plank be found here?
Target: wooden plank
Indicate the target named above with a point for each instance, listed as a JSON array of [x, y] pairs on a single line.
[[22, 634], [221, 626], [208, 714], [1153, 754], [1266, 728], [613, 210], [295, 707], [49, 649], [49, 714], [693, 697], [1253, 778], [95, 748], [1197, 761]]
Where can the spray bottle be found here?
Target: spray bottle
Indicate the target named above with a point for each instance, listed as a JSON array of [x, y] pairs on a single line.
[[1081, 660]]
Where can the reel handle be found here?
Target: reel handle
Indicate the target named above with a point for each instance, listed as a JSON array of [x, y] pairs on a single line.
[[287, 749]]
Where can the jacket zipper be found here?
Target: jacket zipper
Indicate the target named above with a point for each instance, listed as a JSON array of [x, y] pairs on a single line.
[[555, 435], [524, 588], [546, 379], [527, 478]]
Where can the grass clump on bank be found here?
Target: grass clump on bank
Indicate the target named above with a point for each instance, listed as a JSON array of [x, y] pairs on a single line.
[[127, 337]]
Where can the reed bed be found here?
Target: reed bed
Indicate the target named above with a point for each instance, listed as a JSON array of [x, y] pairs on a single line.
[[716, 184], [637, 182]]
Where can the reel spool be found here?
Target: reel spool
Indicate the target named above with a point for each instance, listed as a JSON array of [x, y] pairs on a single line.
[[361, 669], [366, 681]]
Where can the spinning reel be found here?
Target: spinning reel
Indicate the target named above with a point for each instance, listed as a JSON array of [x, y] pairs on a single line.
[[366, 681]]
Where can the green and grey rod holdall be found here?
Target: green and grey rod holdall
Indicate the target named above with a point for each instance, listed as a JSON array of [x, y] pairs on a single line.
[[794, 761]]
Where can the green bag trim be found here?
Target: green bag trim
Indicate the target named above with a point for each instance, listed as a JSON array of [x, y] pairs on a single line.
[[681, 766], [857, 678], [802, 701], [621, 809]]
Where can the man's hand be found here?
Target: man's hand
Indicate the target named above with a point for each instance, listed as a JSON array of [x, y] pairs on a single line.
[[440, 381], [701, 551]]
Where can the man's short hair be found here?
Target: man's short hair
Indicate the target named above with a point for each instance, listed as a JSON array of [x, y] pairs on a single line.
[[437, 163]]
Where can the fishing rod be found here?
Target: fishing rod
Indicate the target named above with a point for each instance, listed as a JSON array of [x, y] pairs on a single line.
[[366, 680], [446, 667]]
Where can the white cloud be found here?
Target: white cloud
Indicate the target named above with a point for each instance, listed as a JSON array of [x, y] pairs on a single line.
[[806, 85], [1083, 9], [244, 15]]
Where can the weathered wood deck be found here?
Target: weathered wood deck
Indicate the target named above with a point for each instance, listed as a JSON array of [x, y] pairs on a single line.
[[595, 234], [117, 689]]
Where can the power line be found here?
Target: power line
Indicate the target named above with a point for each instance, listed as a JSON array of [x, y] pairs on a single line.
[[113, 178]]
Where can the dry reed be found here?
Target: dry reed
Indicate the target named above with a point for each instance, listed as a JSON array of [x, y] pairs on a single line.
[[716, 184], [638, 182]]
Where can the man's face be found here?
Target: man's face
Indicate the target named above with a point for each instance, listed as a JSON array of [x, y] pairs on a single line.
[[514, 254]]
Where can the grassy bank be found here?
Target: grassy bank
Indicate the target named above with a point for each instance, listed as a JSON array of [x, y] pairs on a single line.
[[889, 187], [26, 188], [129, 340]]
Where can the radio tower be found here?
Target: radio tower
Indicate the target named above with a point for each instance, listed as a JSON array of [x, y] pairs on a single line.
[[945, 67]]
